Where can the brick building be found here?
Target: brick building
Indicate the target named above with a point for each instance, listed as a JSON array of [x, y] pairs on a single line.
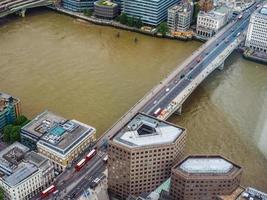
[[203, 177], [141, 155]]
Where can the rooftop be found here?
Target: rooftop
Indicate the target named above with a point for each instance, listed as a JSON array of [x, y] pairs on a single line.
[[263, 10], [17, 163], [6, 100], [106, 3], [56, 132], [216, 13], [143, 130], [201, 164], [181, 7]]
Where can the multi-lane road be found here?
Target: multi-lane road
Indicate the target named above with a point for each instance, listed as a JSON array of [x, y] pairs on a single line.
[[71, 184]]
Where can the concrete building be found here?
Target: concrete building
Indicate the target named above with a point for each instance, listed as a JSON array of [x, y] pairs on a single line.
[[23, 174], [257, 30], [106, 9], [204, 178], [150, 12], [208, 24], [57, 138], [180, 17], [78, 5], [10, 109], [141, 155]]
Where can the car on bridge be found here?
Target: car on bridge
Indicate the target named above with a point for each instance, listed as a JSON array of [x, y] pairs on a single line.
[[182, 76], [198, 59]]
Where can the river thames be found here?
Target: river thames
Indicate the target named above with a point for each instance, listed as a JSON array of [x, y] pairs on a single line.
[[83, 71]]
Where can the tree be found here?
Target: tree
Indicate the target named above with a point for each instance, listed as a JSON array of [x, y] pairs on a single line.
[[163, 28], [7, 132], [138, 23], [123, 18], [130, 21], [15, 134], [88, 12], [196, 11], [2, 194], [20, 120]]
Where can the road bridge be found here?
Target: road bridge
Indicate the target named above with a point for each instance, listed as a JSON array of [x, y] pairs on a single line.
[[170, 94], [8, 7]]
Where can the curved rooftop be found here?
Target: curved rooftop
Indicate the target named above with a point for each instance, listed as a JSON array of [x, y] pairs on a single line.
[[201, 165]]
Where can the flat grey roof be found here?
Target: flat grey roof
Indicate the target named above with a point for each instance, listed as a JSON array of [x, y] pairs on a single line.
[[206, 165], [144, 130], [56, 132], [22, 172]]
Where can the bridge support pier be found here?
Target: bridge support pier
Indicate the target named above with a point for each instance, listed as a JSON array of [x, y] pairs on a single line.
[[178, 111], [221, 66]]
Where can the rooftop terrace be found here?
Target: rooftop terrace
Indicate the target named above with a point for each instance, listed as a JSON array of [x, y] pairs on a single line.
[[144, 130], [56, 132]]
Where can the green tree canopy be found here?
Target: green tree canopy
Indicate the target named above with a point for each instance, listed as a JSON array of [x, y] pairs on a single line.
[[123, 18], [2, 194], [20, 120], [7, 132], [163, 28], [15, 134]]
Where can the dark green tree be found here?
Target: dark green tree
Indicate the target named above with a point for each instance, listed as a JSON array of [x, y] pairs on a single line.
[[163, 28], [15, 134], [88, 12], [130, 21], [2, 194], [138, 23], [123, 18], [7, 132], [20, 120]]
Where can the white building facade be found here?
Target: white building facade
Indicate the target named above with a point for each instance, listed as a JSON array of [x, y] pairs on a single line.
[[257, 31], [208, 24], [24, 174]]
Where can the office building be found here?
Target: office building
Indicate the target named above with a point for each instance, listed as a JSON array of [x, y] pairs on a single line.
[[57, 138], [204, 177], [180, 16], [257, 30], [209, 23], [23, 174], [106, 9], [10, 109], [151, 12], [78, 5], [141, 155]]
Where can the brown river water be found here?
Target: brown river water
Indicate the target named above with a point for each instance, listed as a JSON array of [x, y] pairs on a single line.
[[83, 71]]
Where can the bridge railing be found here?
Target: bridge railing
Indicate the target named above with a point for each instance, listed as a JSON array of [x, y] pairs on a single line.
[[130, 113]]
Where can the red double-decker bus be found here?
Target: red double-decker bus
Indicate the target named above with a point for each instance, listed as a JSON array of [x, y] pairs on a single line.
[[80, 164], [90, 155], [48, 191]]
